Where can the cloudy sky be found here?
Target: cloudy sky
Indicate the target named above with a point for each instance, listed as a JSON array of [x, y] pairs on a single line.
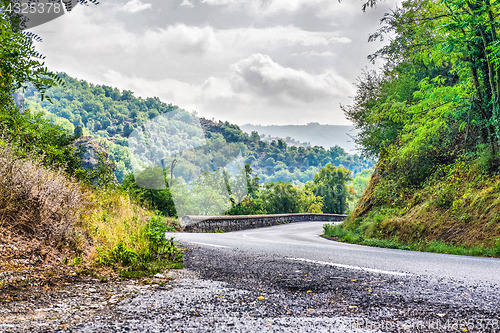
[[245, 61]]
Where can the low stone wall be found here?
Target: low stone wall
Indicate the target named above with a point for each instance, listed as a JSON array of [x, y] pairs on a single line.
[[242, 222]]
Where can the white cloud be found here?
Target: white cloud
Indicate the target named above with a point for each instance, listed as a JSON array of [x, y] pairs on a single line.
[[176, 51], [279, 36], [217, 87], [178, 38], [223, 2], [186, 3], [277, 66], [313, 53], [258, 89], [169, 90], [322, 8], [135, 6], [267, 78], [231, 44]]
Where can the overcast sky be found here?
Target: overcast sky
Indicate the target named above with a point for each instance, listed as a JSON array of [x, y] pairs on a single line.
[[254, 61]]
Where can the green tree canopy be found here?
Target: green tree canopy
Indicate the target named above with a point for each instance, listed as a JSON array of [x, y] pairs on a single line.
[[330, 183]]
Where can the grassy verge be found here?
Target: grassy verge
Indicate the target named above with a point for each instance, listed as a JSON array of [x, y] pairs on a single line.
[[340, 233], [128, 238]]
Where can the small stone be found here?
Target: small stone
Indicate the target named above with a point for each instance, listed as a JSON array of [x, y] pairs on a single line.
[[115, 299], [8, 326]]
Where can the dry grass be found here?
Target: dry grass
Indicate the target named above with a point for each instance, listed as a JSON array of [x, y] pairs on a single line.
[[461, 209], [36, 201], [460, 206], [114, 219], [456, 217], [470, 219], [103, 228]]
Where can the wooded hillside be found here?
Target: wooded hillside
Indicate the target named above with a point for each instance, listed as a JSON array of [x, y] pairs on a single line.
[[111, 115], [431, 117]]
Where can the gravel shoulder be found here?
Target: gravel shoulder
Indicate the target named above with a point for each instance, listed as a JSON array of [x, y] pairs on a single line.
[[224, 290]]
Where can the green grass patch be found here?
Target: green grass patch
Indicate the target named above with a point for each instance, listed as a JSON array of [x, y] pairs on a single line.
[[339, 233], [153, 252], [128, 239]]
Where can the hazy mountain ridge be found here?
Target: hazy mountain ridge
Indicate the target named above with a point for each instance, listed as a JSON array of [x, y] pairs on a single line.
[[314, 133]]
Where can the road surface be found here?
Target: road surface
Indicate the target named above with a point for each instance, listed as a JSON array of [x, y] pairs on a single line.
[[302, 242], [288, 279]]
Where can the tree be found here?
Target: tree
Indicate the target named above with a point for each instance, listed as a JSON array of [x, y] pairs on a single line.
[[281, 198], [127, 129], [330, 183], [19, 62], [155, 199], [78, 131], [358, 186]]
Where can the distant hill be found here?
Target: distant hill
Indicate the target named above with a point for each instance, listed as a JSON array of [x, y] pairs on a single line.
[[111, 115], [317, 135]]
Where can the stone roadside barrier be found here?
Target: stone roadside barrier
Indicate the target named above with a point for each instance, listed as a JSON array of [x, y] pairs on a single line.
[[241, 222]]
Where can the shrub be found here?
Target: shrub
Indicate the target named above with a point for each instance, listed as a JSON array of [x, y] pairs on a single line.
[[487, 161], [34, 200], [30, 135], [149, 252]]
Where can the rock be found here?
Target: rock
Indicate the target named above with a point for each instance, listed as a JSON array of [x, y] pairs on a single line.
[[8, 326], [159, 276], [91, 153], [19, 100], [115, 299]]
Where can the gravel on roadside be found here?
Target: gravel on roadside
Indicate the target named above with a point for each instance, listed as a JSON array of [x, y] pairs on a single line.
[[224, 290]]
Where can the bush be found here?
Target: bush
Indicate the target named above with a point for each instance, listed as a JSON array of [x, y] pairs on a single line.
[[159, 247], [130, 238], [487, 161], [35, 200], [30, 135], [151, 251]]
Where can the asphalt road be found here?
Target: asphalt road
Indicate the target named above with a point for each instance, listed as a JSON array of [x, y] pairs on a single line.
[[301, 242], [289, 279]]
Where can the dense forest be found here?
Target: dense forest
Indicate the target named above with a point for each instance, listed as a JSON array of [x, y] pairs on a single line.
[[431, 115], [112, 115]]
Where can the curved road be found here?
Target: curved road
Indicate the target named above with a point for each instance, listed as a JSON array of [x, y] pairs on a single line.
[[301, 242], [288, 279]]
